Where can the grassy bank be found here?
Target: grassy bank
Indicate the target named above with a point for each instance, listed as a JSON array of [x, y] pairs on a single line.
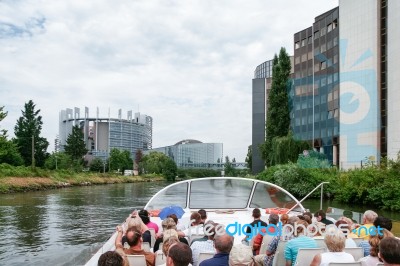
[[22, 179]]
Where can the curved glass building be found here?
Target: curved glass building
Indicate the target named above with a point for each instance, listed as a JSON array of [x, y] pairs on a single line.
[[102, 134]]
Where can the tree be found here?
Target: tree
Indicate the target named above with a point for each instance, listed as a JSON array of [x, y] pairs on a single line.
[[59, 160], [3, 115], [228, 167], [75, 146], [9, 152], [120, 160], [278, 113], [138, 159], [97, 165], [249, 158], [159, 163], [28, 128]]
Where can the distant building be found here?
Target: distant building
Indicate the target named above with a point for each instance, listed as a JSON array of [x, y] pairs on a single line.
[[190, 153], [101, 134]]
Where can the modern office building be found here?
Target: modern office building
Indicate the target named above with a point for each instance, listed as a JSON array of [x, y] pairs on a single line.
[[102, 134], [344, 97], [190, 153]]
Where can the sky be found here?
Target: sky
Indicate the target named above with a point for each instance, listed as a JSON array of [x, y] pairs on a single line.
[[188, 64]]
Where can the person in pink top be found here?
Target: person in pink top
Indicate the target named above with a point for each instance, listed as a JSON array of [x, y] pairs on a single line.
[[144, 215]]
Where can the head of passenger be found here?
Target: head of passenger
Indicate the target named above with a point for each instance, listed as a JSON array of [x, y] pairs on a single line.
[[319, 215], [168, 242], [300, 227], [284, 218], [335, 241], [223, 243], [375, 240], [179, 254], [110, 258], [343, 226], [369, 217], [168, 223], [256, 214], [389, 251], [273, 218], [144, 215], [134, 237], [174, 217], [195, 218], [203, 215], [383, 222]]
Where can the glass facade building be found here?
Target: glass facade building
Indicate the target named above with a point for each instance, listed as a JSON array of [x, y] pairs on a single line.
[[101, 135], [194, 154]]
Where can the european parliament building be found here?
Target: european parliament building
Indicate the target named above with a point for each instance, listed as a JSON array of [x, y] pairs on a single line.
[[190, 153], [344, 96], [102, 134]]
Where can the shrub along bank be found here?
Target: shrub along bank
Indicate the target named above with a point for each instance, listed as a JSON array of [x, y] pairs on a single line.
[[372, 185], [21, 178]]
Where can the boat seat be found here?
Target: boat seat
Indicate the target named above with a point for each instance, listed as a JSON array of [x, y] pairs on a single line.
[[357, 253], [205, 256], [146, 246], [160, 258], [136, 260], [358, 240], [153, 237], [279, 258], [320, 243], [306, 255], [267, 238]]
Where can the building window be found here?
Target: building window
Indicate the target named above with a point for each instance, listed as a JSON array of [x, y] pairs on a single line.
[[323, 65], [323, 31], [297, 45], [297, 60], [310, 40], [316, 35], [330, 27], [303, 42]]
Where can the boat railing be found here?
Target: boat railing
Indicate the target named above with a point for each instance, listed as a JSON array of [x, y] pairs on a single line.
[[312, 191]]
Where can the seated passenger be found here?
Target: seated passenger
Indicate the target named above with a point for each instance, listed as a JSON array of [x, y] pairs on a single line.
[[203, 216], [144, 215], [372, 259], [300, 240], [256, 222], [380, 221], [223, 245], [368, 221], [335, 243], [167, 224], [344, 227], [195, 228], [204, 246], [321, 217], [111, 258], [179, 254], [389, 251], [134, 240], [135, 221]]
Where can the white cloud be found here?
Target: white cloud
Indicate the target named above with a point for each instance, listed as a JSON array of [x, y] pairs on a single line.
[[188, 64]]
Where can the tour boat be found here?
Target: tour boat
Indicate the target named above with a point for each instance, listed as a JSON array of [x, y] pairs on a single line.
[[227, 200]]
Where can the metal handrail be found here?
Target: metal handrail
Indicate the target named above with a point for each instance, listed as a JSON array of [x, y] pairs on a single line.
[[322, 190]]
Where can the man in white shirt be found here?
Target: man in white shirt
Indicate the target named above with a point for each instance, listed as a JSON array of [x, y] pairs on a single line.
[[204, 246]]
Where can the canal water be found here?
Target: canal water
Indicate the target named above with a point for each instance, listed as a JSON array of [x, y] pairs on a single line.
[[66, 226]]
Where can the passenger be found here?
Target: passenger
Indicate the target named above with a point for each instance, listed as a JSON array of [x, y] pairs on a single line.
[[335, 242], [134, 239], [306, 218], [286, 235], [383, 222], [255, 223], [368, 221], [204, 246], [179, 254], [321, 217], [389, 251], [344, 227], [168, 242], [111, 258], [267, 258], [167, 224], [284, 219], [351, 226], [179, 226], [300, 240], [223, 245], [258, 239], [195, 227], [135, 221], [144, 215], [205, 237], [203, 216], [372, 259]]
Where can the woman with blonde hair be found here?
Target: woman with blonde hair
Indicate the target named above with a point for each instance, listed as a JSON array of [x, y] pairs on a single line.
[[335, 242], [372, 259], [135, 221]]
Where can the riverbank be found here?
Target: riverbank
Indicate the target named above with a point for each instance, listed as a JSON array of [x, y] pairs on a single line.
[[13, 184]]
